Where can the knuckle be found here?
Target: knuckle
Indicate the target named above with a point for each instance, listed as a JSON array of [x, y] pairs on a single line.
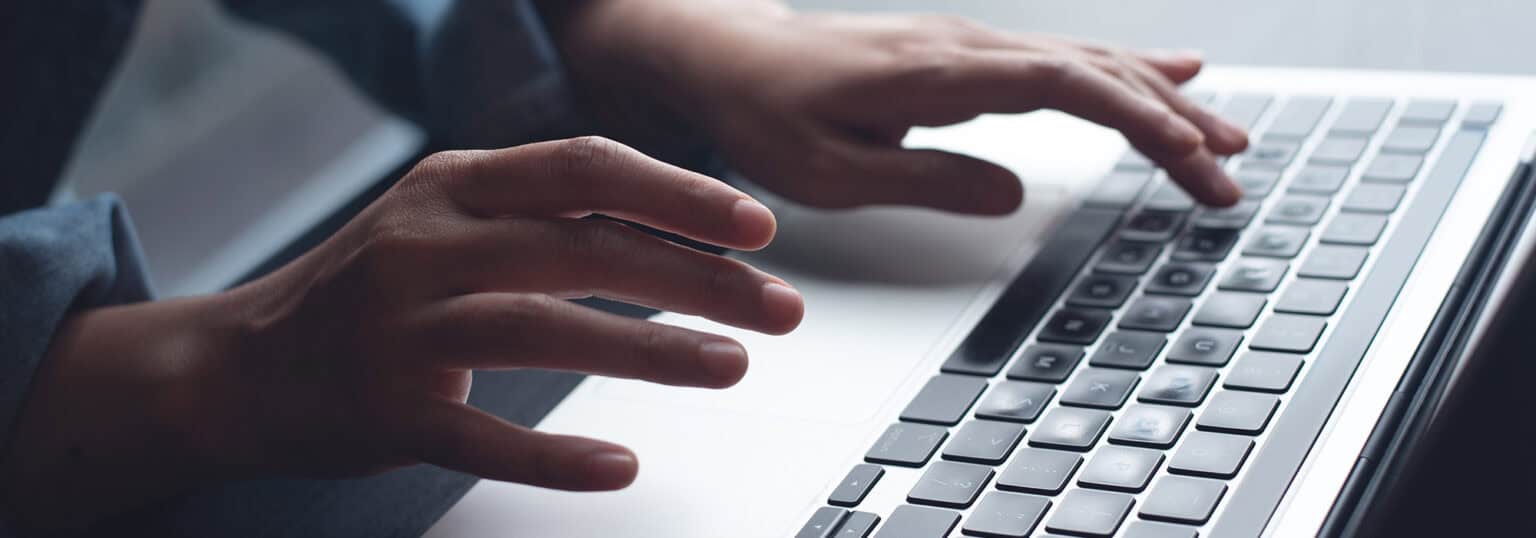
[[948, 23], [597, 240], [649, 344], [586, 153]]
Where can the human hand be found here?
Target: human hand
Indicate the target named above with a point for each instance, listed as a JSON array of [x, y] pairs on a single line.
[[357, 357]]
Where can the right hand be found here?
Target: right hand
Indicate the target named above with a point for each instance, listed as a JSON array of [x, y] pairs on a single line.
[[357, 357]]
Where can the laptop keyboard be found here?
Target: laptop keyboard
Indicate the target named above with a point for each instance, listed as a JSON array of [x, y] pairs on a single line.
[[1134, 371]]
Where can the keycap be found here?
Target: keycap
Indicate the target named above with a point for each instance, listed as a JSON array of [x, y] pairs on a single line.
[[1298, 209], [1205, 346], [854, 487], [1153, 426], [1005, 515], [1178, 385], [984, 441], [1152, 225], [1373, 198], [1120, 468], [1074, 326], [1428, 111], [908, 521], [1085, 512], [1155, 529], [908, 445], [1264, 371], [1276, 242], [1039, 470], [1312, 296], [1298, 117], [1134, 160], [1182, 499], [1319, 179], [1333, 261], [944, 400], [1128, 257], [1482, 114], [1180, 278], [1233, 217], [1354, 229], [1100, 387], [858, 525], [1217, 455], [822, 523], [1411, 139], [1155, 313], [1169, 197], [1269, 152], [1232, 411], [1069, 428], [1245, 109], [1104, 291], [1046, 362], [1128, 349], [1252, 274], [1017, 401], [950, 484], [1361, 115], [1256, 182], [1288, 332], [1392, 168], [1339, 150], [1205, 244], [1119, 189], [1233, 309]]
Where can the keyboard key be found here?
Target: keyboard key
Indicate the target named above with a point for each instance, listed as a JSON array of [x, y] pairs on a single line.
[[1074, 326], [1119, 189], [1392, 168], [1154, 529], [1104, 291], [1289, 332], [1256, 182], [1234, 217], [1333, 261], [1005, 515], [1070, 428], [1231, 309], [1153, 426], [1085, 512], [944, 400], [984, 441], [1039, 470], [1428, 111], [1374, 198], [1128, 349], [908, 445], [1298, 117], [1128, 257], [1362, 115], [1182, 499], [1319, 179], [1410, 139], [1245, 109], [909, 521], [1216, 455], [1312, 296], [1155, 313], [1264, 372], [858, 525], [1277, 242], [950, 484], [1481, 115], [1298, 209], [1017, 401], [1251, 274], [822, 523], [1178, 385], [1152, 225], [1206, 346], [1339, 150], [854, 487], [1121, 468], [1046, 362], [1205, 244], [1100, 387], [1180, 278], [1354, 229], [1275, 153], [1233, 411]]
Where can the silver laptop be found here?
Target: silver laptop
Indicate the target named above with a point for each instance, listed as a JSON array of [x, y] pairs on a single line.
[[1111, 360]]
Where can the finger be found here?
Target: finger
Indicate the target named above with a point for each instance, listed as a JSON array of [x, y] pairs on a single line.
[[507, 330], [594, 175], [880, 175], [575, 258], [1179, 66], [458, 437], [1221, 136]]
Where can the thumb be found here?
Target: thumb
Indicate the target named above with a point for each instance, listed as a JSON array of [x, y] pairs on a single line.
[[934, 178]]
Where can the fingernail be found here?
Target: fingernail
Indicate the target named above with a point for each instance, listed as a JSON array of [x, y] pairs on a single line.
[[1185, 134], [724, 360], [753, 220], [1226, 188], [783, 302], [611, 465]]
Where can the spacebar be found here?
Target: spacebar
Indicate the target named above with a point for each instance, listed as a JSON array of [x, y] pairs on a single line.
[[1030, 295]]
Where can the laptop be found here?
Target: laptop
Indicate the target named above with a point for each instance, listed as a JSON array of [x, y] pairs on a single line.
[[1110, 360]]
